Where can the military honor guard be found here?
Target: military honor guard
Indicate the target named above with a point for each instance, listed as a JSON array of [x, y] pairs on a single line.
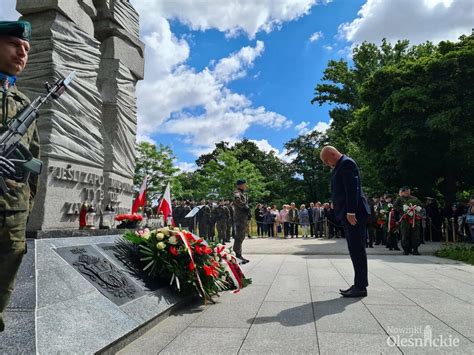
[[241, 217], [16, 204], [408, 208]]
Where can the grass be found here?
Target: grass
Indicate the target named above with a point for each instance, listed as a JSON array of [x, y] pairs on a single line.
[[461, 252]]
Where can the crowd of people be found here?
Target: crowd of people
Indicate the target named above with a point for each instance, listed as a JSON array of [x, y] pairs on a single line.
[[215, 222], [317, 220]]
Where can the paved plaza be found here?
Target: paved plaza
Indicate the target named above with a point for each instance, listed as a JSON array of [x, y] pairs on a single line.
[[293, 306]]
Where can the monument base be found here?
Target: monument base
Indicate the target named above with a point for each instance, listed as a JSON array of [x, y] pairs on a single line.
[[73, 233], [78, 295]]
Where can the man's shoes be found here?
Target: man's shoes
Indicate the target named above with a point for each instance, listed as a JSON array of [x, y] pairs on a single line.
[[242, 259], [406, 252], [396, 248], [355, 292], [390, 249], [2, 323], [345, 291], [416, 252], [371, 246]]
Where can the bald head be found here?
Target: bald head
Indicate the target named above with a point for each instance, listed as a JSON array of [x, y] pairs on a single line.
[[330, 156]]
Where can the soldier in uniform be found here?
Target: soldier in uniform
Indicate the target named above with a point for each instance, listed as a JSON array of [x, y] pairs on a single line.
[[177, 212], [241, 217], [409, 225], [15, 205], [220, 214], [211, 223], [228, 225], [203, 217]]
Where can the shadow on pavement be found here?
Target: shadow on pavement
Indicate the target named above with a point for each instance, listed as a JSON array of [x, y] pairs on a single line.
[[303, 314]]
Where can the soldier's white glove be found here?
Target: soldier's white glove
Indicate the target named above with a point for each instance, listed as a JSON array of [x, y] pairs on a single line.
[[7, 168]]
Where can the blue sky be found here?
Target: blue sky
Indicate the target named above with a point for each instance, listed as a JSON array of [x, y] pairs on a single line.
[[227, 69]]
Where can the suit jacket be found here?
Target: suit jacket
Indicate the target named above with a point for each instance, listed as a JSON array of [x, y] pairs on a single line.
[[346, 189]]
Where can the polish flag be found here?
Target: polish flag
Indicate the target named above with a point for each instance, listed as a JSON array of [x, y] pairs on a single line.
[[141, 198], [165, 204]]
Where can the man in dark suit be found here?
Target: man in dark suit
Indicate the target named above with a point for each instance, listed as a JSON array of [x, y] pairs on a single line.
[[352, 210]]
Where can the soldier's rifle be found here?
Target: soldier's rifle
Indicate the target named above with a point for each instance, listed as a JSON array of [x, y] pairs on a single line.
[[10, 138]]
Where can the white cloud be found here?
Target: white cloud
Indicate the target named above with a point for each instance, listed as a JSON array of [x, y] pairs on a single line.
[[416, 20], [8, 12], [177, 99], [302, 127], [328, 48], [233, 67], [316, 36], [164, 52], [166, 98], [145, 138], [230, 16], [185, 167], [265, 146], [321, 126]]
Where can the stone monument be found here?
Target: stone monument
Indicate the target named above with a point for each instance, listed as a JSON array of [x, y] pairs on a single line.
[[88, 136]]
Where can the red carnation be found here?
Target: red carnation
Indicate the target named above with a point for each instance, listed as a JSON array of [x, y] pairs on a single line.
[[191, 266], [173, 251], [210, 271], [206, 250], [198, 250]]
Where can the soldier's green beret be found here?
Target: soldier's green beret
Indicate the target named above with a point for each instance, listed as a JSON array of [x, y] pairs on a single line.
[[241, 182], [20, 29]]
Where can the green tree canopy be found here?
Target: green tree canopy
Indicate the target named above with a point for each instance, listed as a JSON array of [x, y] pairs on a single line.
[[156, 163], [219, 175], [405, 114]]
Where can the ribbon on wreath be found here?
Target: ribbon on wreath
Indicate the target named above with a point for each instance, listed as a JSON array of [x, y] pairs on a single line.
[[186, 243], [232, 266]]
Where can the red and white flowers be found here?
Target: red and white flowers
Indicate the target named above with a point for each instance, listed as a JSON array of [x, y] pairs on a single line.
[[190, 263]]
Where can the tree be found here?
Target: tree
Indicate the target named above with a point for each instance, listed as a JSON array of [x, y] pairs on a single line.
[[422, 109], [156, 163], [405, 114], [276, 173], [314, 176], [219, 175]]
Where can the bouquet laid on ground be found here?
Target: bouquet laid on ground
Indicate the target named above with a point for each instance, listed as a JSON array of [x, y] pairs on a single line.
[[131, 217], [411, 213], [130, 220], [189, 262]]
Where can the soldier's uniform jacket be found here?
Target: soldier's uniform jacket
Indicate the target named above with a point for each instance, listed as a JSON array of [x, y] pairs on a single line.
[[228, 214], [220, 215], [241, 206], [204, 215], [20, 197]]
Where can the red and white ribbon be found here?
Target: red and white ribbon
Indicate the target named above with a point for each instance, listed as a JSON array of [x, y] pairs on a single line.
[[190, 252]]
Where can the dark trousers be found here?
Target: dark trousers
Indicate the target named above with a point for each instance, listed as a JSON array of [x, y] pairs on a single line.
[[286, 229], [260, 229], [293, 229], [12, 249], [271, 231], [312, 229], [355, 236], [320, 228]]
